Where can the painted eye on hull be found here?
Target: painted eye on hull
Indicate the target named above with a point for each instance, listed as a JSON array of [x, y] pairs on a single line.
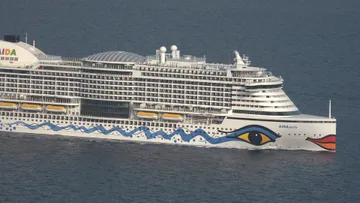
[[255, 138], [253, 134]]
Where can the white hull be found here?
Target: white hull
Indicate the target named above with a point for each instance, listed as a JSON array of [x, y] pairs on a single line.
[[291, 136]]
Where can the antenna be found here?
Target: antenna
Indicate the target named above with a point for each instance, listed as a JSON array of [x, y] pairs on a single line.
[[329, 108], [26, 38]]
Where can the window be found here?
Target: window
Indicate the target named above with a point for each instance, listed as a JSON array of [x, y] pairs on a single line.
[[268, 113]]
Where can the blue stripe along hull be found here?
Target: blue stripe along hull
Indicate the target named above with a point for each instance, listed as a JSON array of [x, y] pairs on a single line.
[[148, 133]]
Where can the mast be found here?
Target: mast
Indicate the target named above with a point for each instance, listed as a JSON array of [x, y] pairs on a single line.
[[329, 108]]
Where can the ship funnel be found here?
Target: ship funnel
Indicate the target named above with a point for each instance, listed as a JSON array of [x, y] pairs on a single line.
[[238, 58]]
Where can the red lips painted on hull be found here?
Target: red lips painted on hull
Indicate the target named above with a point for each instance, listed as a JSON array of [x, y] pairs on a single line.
[[328, 142]]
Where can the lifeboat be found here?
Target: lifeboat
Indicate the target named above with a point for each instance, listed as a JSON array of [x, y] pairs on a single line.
[[31, 107], [58, 109], [172, 117], [8, 105], [147, 115]]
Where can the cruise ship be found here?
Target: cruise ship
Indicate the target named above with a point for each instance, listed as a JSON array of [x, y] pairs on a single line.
[[162, 98]]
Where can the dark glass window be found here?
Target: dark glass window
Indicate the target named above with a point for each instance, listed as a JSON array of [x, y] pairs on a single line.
[[101, 108], [263, 86]]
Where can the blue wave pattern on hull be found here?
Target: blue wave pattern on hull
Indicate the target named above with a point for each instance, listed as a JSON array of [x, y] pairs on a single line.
[[149, 135]]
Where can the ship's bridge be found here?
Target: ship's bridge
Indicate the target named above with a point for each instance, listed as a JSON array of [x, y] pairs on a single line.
[[115, 57]]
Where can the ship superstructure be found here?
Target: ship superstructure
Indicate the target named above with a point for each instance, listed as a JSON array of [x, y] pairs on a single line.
[[167, 97]]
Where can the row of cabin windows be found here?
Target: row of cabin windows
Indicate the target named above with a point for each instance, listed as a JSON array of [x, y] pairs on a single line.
[[37, 81], [40, 74], [216, 92], [34, 91], [122, 96], [103, 78], [43, 75], [183, 96], [185, 71], [105, 81], [259, 96], [256, 106], [64, 76], [257, 101], [41, 83], [165, 81], [190, 85], [40, 98], [183, 91], [214, 102], [112, 91], [83, 121], [64, 86], [72, 91], [9, 58], [120, 87], [267, 113], [192, 77]]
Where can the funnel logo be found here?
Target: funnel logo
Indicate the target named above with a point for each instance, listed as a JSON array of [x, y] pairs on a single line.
[[8, 52]]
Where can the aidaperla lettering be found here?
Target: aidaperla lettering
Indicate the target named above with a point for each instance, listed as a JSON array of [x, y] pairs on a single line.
[[8, 52]]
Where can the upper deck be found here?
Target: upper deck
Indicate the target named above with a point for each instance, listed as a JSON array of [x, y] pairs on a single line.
[[171, 80]]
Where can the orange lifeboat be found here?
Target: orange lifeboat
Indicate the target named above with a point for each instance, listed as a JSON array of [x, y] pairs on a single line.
[[147, 115], [172, 117], [31, 107], [8, 105], [57, 109]]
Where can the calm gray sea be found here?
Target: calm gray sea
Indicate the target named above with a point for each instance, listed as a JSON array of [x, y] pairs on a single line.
[[312, 44]]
